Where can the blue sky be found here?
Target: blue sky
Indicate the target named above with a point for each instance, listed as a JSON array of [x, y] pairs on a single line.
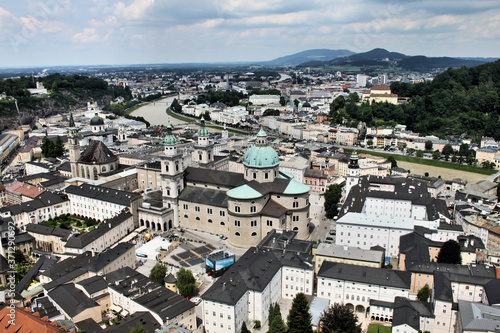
[[85, 32]]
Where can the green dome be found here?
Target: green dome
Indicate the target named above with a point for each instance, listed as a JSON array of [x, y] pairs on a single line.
[[203, 130], [261, 157], [96, 120], [169, 139]]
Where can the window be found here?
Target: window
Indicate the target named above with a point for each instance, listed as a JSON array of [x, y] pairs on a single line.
[[295, 218], [253, 223], [266, 175], [254, 234], [295, 204], [222, 213], [237, 223], [253, 209], [237, 209], [196, 208], [209, 221], [237, 234], [269, 223], [209, 211]]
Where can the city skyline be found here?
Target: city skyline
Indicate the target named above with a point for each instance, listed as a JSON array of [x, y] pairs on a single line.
[[94, 32]]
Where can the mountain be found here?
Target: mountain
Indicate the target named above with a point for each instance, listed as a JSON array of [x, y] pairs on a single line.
[[426, 64], [383, 58], [308, 55]]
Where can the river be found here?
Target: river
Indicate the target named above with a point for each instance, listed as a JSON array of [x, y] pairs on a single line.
[[154, 112]]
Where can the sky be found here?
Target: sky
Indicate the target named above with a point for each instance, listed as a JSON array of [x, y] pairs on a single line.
[[96, 32]]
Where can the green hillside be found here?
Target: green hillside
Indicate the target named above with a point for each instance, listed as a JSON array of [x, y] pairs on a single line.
[[465, 100]]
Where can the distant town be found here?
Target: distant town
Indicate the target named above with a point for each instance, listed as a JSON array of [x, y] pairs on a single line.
[[248, 200]]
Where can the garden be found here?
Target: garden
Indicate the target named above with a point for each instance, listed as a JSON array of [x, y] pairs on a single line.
[[67, 221]]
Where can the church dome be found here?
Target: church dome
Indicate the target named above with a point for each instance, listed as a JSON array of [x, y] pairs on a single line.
[[203, 130], [261, 155], [169, 138], [306, 105], [96, 120]]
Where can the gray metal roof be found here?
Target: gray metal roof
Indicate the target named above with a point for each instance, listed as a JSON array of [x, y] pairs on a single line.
[[363, 274]]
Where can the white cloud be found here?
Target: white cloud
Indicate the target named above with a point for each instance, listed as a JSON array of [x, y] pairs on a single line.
[[88, 35], [136, 10]]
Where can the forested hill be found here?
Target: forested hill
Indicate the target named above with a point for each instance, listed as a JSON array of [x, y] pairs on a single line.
[[465, 100], [63, 92]]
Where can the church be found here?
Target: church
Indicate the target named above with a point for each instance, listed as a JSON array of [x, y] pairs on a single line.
[[242, 207]]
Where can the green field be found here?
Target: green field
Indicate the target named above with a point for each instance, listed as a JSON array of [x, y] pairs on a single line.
[[378, 329], [195, 121], [424, 161]]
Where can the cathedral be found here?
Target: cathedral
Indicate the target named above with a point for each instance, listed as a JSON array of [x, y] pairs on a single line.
[[242, 207]]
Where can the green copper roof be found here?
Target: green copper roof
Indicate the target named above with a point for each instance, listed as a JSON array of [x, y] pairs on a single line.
[[169, 139], [296, 188], [71, 121], [261, 132], [203, 130], [261, 157], [243, 192]]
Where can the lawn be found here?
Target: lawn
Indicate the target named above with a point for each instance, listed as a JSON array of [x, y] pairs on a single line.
[[424, 161], [378, 329], [66, 221]]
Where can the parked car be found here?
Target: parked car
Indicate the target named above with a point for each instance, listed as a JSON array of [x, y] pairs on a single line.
[[196, 300]]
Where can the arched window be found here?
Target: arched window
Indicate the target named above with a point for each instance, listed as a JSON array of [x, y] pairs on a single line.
[[296, 229], [103, 169], [185, 216], [222, 223], [95, 173], [237, 234], [254, 234], [237, 209], [197, 218], [166, 166], [176, 166], [209, 221]]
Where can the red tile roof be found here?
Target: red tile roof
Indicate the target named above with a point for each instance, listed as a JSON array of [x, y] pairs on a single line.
[[26, 190], [25, 321]]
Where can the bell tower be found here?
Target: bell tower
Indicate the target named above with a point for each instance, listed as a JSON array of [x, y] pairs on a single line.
[[73, 146], [172, 174], [203, 151]]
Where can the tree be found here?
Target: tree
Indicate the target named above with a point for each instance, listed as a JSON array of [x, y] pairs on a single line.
[[19, 257], [447, 149], [424, 293], [296, 102], [369, 143], [332, 197], [282, 101], [410, 151], [277, 325], [420, 153], [339, 318], [486, 164], [158, 273], [186, 283], [464, 149], [299, 317], [428, 145], [394, 163], [436, 154], [450, 253], [138, 329], [244, 328], [58, 147]]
